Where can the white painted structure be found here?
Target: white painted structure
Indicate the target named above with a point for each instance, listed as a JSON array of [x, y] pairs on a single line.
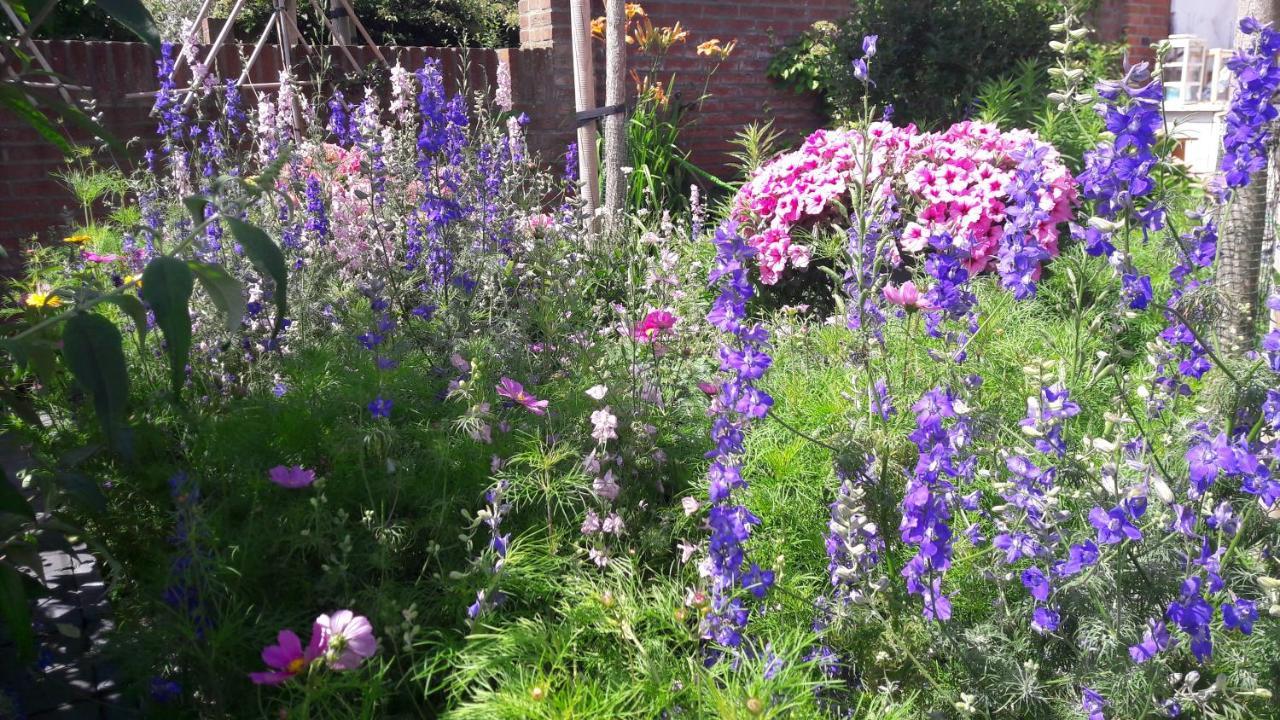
[[1196, 81], [1212, 20]]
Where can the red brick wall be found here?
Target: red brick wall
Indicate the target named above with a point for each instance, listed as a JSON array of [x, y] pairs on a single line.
[[1138, 22], [740, 91]]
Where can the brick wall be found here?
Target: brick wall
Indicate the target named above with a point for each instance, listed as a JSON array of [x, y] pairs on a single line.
[[32, 202], [740, 91], [1138, 22]]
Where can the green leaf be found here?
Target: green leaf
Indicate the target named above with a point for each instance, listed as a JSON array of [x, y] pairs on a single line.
[[21, 406], [11, 499], [91, 348], [19, 104], [83, 490], [224, 290], [133, 15], [134, 308], [15, 611], [166, 286], [38, 353], [195, 205], [268, 259]]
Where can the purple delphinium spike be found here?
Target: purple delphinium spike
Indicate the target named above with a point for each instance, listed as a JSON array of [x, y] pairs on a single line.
[[736, 405]]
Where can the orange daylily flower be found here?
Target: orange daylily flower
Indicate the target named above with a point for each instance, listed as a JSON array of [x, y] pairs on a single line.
[[713, 48]]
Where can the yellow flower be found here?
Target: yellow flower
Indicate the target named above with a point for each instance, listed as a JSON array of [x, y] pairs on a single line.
[[597, 27], [42, 299], [77, 239], [634, 10], [129, 279]]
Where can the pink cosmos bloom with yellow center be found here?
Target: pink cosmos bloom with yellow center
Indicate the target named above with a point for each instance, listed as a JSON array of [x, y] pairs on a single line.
[[515, 392], [287, 657]]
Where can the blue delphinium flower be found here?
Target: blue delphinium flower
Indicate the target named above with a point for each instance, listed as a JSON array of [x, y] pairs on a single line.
[[1193, 615], [380, 407], [744, 359], [1092, 703], [1253, 89], [1118, 175], [1020, 255], [497, 509], [854, 544], [942, 436], [317, 222]]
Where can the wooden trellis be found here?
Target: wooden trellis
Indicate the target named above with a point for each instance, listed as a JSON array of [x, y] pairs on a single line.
[[282, 26], [27, 42]]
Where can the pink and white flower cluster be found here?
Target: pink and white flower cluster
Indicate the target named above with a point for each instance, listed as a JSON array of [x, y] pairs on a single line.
[[955, 181]]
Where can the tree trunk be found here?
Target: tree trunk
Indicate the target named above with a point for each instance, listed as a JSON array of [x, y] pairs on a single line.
[[1243, 239], [615, 129]]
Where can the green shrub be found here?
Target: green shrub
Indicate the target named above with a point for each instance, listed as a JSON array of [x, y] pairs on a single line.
[[933, 54], [440, 23]]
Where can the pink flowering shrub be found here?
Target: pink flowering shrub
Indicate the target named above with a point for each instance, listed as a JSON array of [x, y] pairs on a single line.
[[956, 181]]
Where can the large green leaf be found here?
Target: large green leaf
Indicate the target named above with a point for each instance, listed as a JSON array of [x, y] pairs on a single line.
[[38, 352], [84, 491], [268, 259], [134, 15], [134, 308], [166, 286], [16, 102], [11, 499], [195, 205], [224, 290], [15, 610], [91, 348]]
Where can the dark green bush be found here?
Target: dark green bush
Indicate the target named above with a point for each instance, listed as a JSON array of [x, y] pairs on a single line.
[[933, 54], [436, 23]]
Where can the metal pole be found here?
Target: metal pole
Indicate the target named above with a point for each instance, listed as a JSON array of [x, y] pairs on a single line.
[[584, 97]]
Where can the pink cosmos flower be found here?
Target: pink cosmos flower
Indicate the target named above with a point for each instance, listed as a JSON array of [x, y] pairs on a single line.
[[908, 296], [654, 324], [288, 657], [96, 258], [291, 477], [347, 639], [514, 392]]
